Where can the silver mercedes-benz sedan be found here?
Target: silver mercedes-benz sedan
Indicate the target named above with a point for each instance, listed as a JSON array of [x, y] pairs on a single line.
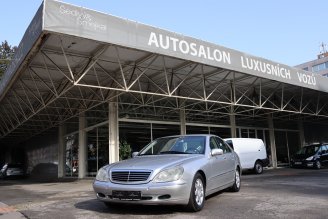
[[171, 170]]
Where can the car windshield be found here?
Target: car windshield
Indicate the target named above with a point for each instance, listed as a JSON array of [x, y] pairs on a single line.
[[14, 166], [175, 145], [309, 150]]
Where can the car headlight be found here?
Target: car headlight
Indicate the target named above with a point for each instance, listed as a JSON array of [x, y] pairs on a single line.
[[169, 175], [102, 175], [309, 158]]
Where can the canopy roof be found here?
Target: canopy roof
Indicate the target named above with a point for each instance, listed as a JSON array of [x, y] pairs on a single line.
[[73, 59]]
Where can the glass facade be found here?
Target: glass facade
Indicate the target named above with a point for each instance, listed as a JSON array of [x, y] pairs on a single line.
[[97, 149], [134, 135], [72, 155], [287, 143], [320, 67]]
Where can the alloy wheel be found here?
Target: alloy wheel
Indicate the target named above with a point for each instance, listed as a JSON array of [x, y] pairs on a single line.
[[199, 192]]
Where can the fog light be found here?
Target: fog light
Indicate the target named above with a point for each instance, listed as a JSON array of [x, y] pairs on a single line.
[[164, 197], [101, 195]]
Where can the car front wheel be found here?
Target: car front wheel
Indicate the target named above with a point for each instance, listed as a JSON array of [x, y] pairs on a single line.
[[237, 183], [317, 165], [197, 194]]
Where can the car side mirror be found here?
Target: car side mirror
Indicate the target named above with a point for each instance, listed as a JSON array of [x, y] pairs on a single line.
[[134, 154], [216, 152]]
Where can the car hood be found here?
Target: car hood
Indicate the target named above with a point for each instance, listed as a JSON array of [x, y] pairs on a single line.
[[301, 156], [154, 162]]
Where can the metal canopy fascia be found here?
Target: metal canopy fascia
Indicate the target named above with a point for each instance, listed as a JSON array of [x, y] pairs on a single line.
[[81, 22], [78, 60]]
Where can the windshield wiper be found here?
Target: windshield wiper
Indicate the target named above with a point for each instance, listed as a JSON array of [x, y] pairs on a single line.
[[173, 152]]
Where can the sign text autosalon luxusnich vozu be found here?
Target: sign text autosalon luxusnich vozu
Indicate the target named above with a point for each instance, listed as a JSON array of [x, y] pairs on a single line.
[[249, 64]]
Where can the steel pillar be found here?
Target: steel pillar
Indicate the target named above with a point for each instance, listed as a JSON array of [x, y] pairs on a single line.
[[272, 142], [61, 151], [182, 121], [232, 117], [113, 131], [83, 155], [301, 131]]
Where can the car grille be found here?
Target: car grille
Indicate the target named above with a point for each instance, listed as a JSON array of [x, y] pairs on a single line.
[[130, 176]]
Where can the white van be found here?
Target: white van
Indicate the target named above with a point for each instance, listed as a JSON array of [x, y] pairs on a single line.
[[251, 151]]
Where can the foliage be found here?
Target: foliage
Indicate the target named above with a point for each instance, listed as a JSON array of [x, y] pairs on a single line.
[[6, 54], [125, 150]]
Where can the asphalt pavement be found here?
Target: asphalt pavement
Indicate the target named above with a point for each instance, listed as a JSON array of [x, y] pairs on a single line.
[[279, 193]]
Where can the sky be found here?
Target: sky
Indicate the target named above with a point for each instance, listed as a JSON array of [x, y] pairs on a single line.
[[288, 32]]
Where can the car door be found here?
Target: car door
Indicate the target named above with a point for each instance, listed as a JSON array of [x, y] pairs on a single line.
[[216, 169], [228, 161], [324, 154]]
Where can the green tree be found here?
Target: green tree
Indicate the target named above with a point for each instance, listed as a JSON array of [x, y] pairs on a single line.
[[6, 54], [125, 150]]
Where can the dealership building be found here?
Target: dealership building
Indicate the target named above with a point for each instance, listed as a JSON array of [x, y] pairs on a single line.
[[84, 83]]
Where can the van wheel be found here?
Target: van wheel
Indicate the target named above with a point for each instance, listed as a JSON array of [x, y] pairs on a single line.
[[197, 194], [258, 167], [317, 165]]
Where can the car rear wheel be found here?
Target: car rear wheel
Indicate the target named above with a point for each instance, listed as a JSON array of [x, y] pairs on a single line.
[[258, 167], [317, 165], [236, 186], [197, 194]]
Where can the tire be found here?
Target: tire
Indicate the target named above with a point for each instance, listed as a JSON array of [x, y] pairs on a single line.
[[236, 185], [197, 194], [317, 165], [258, 167]]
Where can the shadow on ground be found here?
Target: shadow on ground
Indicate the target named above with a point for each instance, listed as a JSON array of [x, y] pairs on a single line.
[[128, 209]]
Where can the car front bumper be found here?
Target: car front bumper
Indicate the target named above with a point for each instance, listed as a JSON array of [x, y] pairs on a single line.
[[14, 173], [151, 193], [303, 163]]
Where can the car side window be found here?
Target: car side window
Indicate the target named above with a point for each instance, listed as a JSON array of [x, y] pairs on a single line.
[[222, 145], [229, 142], [319, 151], [324, 149], [213, 143]]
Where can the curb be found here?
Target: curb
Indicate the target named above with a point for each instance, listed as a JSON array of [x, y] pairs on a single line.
[[9, 212]]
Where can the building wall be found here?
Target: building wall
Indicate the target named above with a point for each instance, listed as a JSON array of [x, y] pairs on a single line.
[[308, 65], [42, 156]]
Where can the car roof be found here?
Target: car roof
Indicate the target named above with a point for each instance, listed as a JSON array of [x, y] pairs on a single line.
[[316, 144], [204, 135]]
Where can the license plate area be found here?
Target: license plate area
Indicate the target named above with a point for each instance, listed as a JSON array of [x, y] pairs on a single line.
[[298, 163], [126, 195]]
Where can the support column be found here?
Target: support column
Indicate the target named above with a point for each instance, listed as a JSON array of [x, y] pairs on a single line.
[[183, 122], [83, 155], [61, 150], [113, 131], [301, 131], [272, 142], [232, 123]]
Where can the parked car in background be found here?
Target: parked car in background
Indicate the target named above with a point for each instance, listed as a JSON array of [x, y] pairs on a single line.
[[315, 155], [180, 170], [251, 151], [12, 170]]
